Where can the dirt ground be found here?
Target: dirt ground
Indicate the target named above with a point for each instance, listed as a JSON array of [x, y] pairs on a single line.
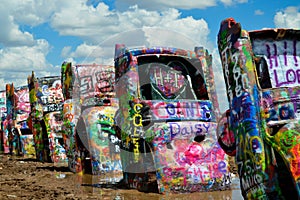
[[26, 178]]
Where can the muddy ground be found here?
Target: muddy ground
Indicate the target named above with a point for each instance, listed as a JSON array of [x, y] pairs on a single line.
[[26, 178]]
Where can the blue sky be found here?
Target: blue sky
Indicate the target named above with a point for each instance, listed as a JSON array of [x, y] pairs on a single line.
[[38, 35]]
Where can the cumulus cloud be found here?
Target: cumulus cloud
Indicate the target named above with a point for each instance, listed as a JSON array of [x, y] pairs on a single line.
[[90, 23], [289, 18], [129, 27], [16, 13], [10, 34], [16, 63], [20, 52], [33, 12], [96, 24], [170, 19], [86, 52]]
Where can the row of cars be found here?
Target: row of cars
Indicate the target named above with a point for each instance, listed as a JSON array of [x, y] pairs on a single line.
[[152, 120], [31, 119], [148, 122]]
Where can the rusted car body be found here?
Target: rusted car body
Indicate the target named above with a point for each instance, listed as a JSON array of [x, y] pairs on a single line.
[[261, 127], [167, 120]]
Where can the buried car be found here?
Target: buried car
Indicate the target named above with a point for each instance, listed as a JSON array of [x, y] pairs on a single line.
[[45, 121], [88, 115], [261, 127], [14, 123], [167, 120]]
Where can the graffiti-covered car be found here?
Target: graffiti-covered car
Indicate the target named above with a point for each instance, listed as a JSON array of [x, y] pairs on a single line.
[[15, 121], [88, 114], [45, 121], [3, 137], [21, 128], [261, 127], [9, 120], [167, 120]]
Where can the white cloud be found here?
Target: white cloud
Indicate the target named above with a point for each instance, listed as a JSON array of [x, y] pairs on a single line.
[[89, 23], [258, 12], [85, 51], [20, 52], [159, 5], [16, 63], [227, 2], [242, 1], [10, 34], [94, 25], [32, 12], [196, 30], [129, 27], [289, 18], [163, 5], [16, 13], [66, 51], [232, 2]]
